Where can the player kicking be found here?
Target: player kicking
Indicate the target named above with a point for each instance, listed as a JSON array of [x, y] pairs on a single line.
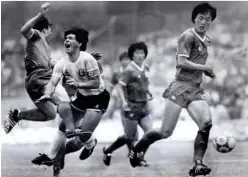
[[133, 89], [91, 99], [38, 67], [186, 92]]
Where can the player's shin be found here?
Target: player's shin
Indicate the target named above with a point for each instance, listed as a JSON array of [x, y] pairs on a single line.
[[122, 140], [73, 145], [149, 138], [201, 142]]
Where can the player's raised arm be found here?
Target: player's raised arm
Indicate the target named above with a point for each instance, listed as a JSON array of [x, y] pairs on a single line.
[[27, 30]]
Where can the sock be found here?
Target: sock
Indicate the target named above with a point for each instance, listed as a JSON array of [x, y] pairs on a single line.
[[58, 141], [73, 145], [201, 143], [149, 138], [122, 140], [89, 144]]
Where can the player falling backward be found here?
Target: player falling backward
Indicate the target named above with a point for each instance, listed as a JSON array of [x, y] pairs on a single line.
[[186, 92], [38, 68], [38, 65], [91, 100]]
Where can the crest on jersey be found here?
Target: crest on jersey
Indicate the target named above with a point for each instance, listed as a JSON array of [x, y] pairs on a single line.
[[81, 72]]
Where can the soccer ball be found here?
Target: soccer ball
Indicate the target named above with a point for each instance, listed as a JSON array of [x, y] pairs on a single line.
[[224, 142]]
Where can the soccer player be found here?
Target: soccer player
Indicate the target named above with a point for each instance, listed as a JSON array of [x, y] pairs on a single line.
[[115, 101], [38, 66], [92, 98], [60, 138], [186, 91], [134, 93]]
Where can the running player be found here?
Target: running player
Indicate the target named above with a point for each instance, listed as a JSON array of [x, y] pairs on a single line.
[[91, 99], [134, 94], [186, 91]]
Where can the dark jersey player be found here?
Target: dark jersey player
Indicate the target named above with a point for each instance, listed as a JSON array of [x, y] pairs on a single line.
[[38, 72], [134, 93], [186, 91]]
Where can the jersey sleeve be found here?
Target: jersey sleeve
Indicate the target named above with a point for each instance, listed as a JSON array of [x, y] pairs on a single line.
[[125, 77], [91, 67], [58, 69], [33, 35], [185, 44]]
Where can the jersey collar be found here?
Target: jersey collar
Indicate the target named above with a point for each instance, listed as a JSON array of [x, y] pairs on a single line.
[[198, 36], [139, 68]]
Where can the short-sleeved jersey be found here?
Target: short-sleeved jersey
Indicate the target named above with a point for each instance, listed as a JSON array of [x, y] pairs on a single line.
[[37, 53], [192, 46], [116, 76], [82, 70], [136, 81]]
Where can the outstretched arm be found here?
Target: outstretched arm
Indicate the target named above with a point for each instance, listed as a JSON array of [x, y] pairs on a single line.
[[26, 30]]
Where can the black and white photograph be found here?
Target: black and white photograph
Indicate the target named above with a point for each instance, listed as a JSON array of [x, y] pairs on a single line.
[[124, 88]]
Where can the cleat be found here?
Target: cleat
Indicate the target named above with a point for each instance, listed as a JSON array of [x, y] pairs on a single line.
[[11, 121], [59, 161], [106, 157], [86, 153], [143, 163], [73, 133], [135, 158], [199, 169], [43, 159]]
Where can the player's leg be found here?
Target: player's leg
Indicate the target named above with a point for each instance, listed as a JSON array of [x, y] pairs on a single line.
[[45, 111], [200, 113], [130, 132], [146, 125], [171, 115], [97, 106]]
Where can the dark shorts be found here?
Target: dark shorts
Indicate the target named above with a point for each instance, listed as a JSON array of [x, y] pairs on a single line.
[[137, 110], [99, 102], [183, 93], [36, 81]]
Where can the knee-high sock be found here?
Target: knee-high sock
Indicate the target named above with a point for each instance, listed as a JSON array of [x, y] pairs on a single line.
[[201, 143], [120, 141], [58, 141], [149, 138]]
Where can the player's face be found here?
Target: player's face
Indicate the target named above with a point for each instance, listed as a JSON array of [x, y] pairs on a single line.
[[125, 61], [48, 33], [202, 22], [71, 44], [138, 56]]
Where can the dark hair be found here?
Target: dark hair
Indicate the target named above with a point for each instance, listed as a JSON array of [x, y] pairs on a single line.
[[137, 46], [203, 8], [82, 36], [123, 55], [41, 24]]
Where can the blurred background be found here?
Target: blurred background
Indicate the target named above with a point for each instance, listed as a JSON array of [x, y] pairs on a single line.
[[113, 26]]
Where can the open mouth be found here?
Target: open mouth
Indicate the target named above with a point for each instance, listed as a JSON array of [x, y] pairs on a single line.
[[67, 46]]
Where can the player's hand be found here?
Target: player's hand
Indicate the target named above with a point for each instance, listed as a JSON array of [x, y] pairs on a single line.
[[96, 55], [125, 106], [208, 68], [72, 83], [210, 74], [43, 98], [44, 8]]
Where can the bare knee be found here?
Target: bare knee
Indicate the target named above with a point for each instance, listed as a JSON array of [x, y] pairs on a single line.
[[50, 114], [165, 133], [63, 107], [206, 126]]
